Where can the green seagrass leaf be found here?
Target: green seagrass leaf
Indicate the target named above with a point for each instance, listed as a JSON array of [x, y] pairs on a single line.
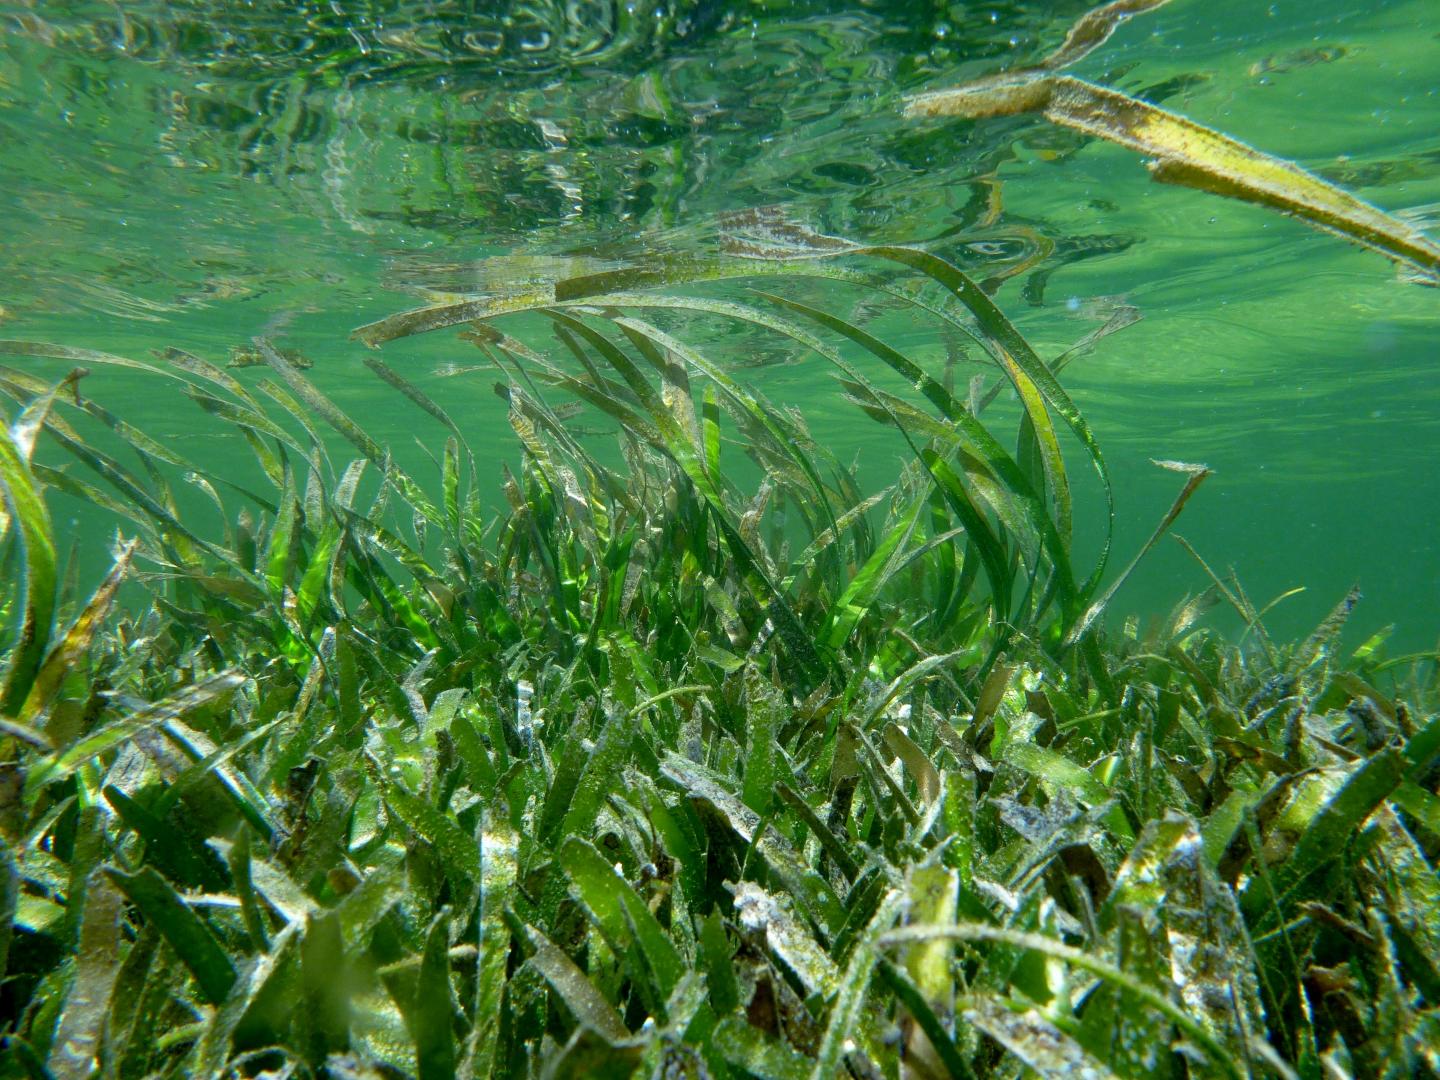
[[457, 849], [75, 644], [97, 966], [1323, 839], [182, 929], [579, 994], [38, 578], [603, 770], [260, 980], [802, 882], [1034, 1040], [764, 713], [847, 1027], [429, 1019], [112, 734], [745, 1048], [621, 915], [498, 871]]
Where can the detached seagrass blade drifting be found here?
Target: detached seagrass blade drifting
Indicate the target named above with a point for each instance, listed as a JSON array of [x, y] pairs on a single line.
[[1182, 151]]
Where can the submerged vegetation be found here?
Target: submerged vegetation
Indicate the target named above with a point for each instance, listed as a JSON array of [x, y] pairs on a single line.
[[695, 759], [658, 774]]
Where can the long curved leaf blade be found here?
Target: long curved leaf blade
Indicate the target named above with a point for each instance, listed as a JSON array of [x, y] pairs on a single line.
[[847, 1014], [620, 913], [118, 731], [182, 929], [213, 1049], [1196, 475], [997, 459], [684, 451], [430, 1014], [351, 431], [1190, 154], [97, 965], [1325, 837], [498, 871], [1016, 355], [574, 988], [38, 577], [457, 851], [77, 640]]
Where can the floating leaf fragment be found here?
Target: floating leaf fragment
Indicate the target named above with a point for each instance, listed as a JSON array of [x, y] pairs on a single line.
[[1182, 151]]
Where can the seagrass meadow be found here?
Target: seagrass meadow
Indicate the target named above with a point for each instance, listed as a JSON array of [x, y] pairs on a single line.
[[667, 743]]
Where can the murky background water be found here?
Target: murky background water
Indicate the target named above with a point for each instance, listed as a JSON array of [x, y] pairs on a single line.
[[192, 174]]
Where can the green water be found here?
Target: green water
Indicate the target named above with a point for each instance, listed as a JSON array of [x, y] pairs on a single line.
[[193, 174]]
